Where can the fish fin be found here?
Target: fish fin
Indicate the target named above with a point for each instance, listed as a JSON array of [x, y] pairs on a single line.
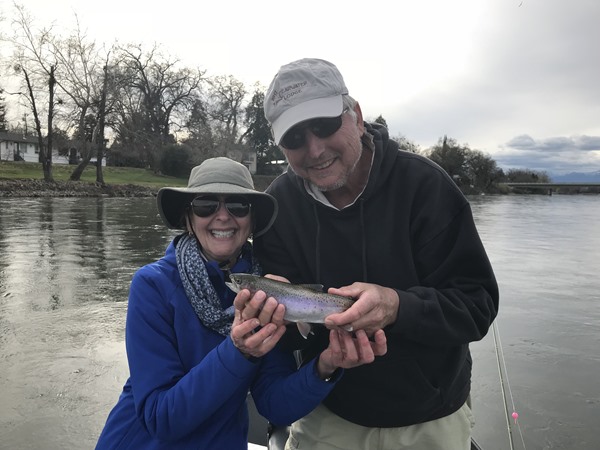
[[230, 311], [304, 328], [313, 287], [232, 286]]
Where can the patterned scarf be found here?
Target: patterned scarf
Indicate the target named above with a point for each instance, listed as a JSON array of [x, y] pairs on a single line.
[[199, 288]]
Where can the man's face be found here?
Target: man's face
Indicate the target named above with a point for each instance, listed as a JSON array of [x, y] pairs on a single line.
[[328, 162]]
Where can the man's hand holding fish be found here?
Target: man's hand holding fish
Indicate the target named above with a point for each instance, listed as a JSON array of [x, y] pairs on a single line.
[[272, 302], [375, 307]]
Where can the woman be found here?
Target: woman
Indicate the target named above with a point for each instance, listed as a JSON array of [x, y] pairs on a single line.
[[190, 366]]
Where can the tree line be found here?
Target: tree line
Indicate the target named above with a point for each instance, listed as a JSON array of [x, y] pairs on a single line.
[[159, 114]]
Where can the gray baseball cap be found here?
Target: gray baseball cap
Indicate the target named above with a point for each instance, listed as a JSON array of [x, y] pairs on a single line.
[[217, 176], [303, 90]]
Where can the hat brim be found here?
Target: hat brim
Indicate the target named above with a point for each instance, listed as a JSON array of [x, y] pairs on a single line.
[[172, 203], [311, 109]]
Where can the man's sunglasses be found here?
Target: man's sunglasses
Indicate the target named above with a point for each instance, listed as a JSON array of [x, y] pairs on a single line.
[[321, 127], [205, 206]]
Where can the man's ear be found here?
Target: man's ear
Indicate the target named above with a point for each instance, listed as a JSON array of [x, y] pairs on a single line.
[[359, 119]]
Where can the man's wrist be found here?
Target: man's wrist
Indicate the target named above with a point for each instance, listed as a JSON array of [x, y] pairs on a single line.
[[323, 372], [333, 377]]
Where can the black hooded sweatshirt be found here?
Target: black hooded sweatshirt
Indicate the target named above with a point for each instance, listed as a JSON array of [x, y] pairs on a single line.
[[412, 230]]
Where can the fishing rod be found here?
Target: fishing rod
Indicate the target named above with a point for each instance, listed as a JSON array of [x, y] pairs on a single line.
[[501, 369], [510, 437]]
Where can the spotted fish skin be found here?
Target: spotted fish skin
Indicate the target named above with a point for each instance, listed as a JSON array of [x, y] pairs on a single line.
[[302, 303]]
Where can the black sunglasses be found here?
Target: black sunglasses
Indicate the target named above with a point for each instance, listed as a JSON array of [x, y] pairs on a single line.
[[321, 127], [205, 206]]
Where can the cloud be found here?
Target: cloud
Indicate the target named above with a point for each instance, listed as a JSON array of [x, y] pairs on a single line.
[[531, 73], [555, 144], [555, 155], [588, 142]]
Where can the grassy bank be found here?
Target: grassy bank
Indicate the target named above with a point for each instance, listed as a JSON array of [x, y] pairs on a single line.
[[112, 175], [18, 177]]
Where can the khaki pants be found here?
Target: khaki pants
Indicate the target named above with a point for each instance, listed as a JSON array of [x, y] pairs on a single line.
[[323, 430]]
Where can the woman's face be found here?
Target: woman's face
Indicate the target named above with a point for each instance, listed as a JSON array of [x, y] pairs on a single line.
[[221, 233]]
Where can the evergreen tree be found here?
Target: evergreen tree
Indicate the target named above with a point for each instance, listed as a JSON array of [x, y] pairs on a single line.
[[258, 136], [380, 120], [3, 122]]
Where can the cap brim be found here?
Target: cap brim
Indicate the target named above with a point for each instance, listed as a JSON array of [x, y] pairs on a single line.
[[310, 109]]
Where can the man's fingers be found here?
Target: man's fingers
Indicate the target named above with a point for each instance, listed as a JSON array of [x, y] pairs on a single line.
[[352, 351], [380, 345], [365, 350], [277, 278], [348, 317], [334, 342], [354, 290]]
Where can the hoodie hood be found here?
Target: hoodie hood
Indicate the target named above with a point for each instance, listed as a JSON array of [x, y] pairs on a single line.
[[385, 152]]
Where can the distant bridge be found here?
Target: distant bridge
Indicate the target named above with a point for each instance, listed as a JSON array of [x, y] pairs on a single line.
[[550, 187]]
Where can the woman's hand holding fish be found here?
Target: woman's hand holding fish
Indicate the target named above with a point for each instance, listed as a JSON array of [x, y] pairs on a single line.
[[252, 341], [347, 350], [250, 313], [375, 308], [259, 306]]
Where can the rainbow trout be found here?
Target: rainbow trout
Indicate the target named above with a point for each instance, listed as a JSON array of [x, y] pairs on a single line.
[[304, 304]]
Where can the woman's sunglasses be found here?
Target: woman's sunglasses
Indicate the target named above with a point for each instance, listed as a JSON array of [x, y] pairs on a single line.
[[321, 127], [206, 206]]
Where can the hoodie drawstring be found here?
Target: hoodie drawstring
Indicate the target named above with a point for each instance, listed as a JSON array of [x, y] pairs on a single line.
[[363, 242], [363, 236], [317, 245]]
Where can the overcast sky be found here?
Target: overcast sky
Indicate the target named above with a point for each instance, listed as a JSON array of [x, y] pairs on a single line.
[[518, 80]]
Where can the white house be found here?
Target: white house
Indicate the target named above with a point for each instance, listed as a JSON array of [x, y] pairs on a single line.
[[246, 157], [18, 147]]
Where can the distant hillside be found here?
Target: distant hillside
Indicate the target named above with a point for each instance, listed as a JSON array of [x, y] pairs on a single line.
[[577, 177]]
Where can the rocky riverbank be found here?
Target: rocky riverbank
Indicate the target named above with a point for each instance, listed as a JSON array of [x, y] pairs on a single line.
[[41, 188]]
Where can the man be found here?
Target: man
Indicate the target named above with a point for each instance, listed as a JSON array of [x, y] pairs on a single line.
[[390, 229]]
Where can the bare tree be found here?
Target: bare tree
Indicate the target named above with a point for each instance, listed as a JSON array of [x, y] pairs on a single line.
[[33, 60], [155, 98], [226, 109], [100, 142], [81, 83]]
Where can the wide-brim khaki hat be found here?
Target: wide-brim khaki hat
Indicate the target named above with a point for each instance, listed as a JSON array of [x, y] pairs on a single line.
[[217, 176]]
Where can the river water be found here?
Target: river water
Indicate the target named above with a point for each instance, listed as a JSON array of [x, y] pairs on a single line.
[[66, 264]]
